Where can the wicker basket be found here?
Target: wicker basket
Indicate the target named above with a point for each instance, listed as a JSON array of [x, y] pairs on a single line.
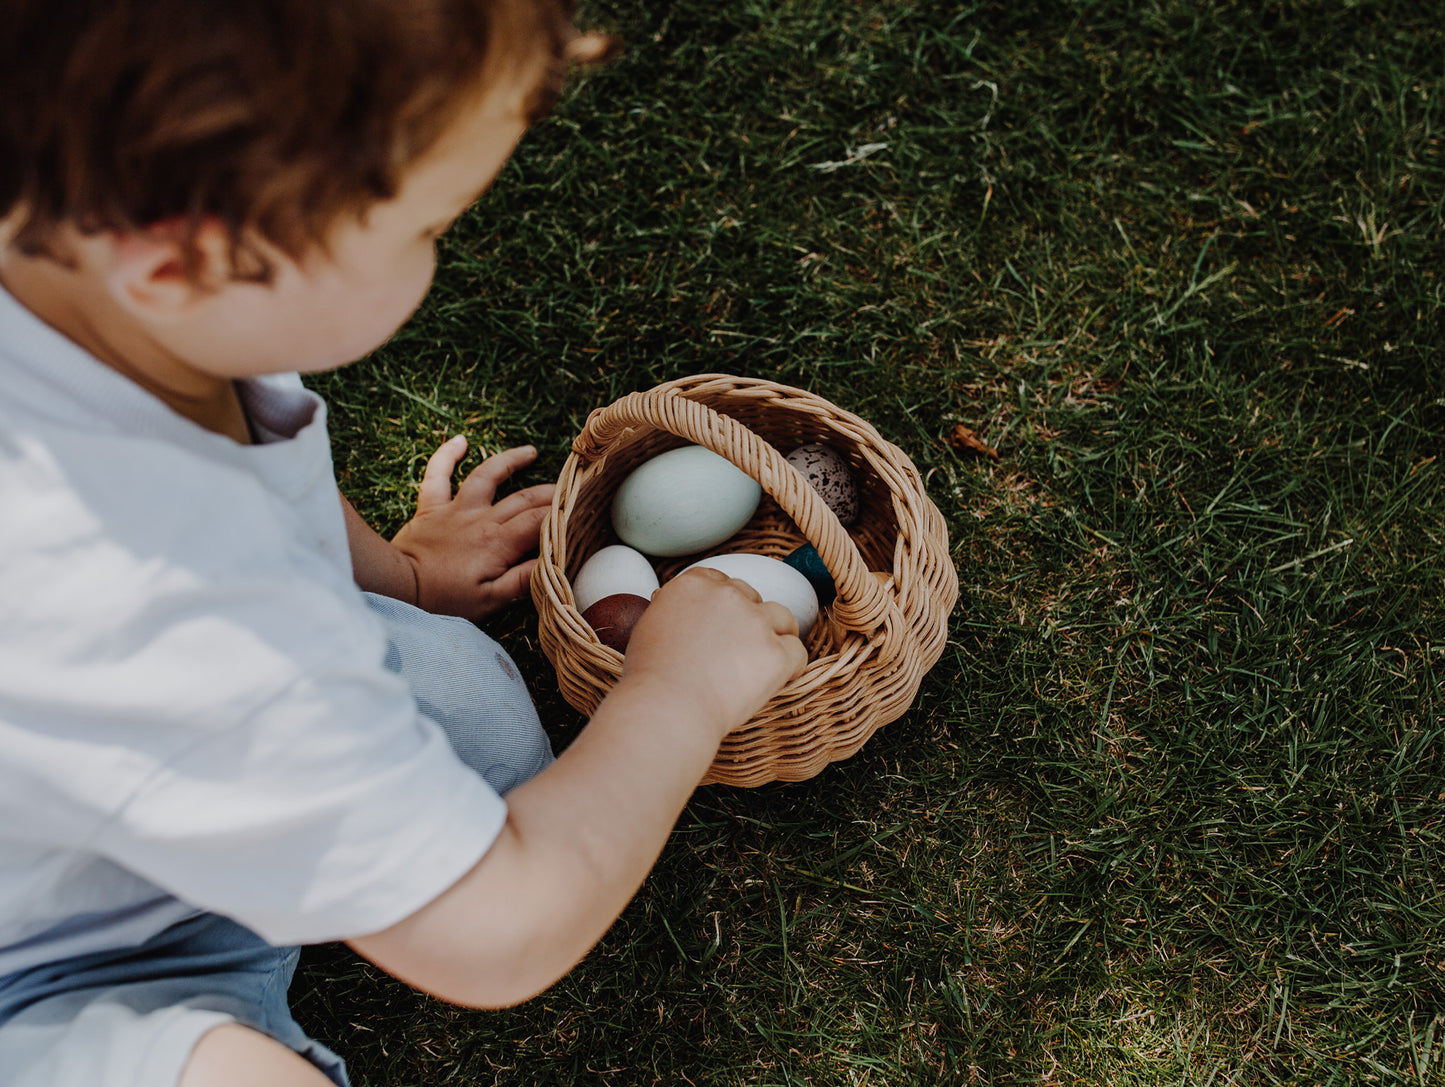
[[896, 582]]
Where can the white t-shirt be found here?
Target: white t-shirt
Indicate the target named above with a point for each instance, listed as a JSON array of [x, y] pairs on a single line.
[[194, 710]]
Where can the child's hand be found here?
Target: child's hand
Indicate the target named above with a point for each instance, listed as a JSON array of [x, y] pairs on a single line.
[[711, 643], [469, 554]]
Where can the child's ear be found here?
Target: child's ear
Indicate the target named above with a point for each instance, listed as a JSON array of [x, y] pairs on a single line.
[[149, 274]]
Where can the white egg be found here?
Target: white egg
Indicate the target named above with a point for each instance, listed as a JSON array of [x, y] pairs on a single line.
[[774, 580], [613, 570], [683, 501], [828, 473]]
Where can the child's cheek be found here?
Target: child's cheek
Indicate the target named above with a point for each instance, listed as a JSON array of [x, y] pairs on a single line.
[[419, 280], [401, 292]]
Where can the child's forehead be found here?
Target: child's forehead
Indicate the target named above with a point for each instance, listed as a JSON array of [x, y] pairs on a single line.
[[467, 155], [529, 83], [502, 105]]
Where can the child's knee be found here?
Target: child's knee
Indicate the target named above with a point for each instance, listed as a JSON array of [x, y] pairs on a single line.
[[466, 683], [234, 1055]]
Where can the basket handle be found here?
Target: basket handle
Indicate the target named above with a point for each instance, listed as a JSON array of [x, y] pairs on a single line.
[[862, 605]]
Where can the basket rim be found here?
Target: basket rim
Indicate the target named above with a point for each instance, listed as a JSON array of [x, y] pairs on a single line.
[[677, 407]]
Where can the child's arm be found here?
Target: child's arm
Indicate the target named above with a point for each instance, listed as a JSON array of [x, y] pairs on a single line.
[[376, 564], [581, 836], [461, 555]]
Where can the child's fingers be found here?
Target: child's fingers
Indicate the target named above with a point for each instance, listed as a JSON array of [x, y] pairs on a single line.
[[517, 534], [797, 652], [538, 497], [436, 480], [515, 583], [783, 620], [737, 585], [482, 481]]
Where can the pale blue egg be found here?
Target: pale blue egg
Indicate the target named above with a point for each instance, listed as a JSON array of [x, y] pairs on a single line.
[[682, 502]]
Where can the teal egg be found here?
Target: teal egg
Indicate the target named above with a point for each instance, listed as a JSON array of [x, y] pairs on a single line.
[[809, 563]]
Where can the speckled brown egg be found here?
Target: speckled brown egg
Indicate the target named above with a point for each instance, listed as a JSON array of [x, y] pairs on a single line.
[[828, 473], [613, 618]]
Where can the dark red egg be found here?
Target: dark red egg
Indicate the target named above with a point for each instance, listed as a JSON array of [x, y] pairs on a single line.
[[613, 618]]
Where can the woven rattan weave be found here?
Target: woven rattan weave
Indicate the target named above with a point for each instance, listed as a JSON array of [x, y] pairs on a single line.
[[896, 581]]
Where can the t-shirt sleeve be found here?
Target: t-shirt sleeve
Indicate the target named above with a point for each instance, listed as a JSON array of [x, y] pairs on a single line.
[[275, 772], [305, 832]]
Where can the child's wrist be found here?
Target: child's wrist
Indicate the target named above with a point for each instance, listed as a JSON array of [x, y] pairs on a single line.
[[680, 704], [415, 583], [407, 580]]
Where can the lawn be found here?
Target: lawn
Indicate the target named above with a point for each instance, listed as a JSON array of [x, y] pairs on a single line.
[[1171, 807]]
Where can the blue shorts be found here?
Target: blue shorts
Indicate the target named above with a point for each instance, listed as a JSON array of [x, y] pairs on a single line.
[[130, 1017]]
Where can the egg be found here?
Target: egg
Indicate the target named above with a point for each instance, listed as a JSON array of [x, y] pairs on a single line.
[[682, 502], [614, 569], [809, 563], [613, 618], [828, 473], [774, 580]]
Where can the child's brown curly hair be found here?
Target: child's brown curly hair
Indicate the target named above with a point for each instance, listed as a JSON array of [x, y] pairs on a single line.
[[273, 116]]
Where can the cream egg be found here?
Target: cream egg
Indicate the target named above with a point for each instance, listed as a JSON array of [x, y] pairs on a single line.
[[774, 580], [611, 571], [682, 502]]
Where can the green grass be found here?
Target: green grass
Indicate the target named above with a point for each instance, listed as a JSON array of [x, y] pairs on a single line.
[[1171, 808]]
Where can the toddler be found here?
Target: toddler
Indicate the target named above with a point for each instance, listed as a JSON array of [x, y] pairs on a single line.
[[233, 718]]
